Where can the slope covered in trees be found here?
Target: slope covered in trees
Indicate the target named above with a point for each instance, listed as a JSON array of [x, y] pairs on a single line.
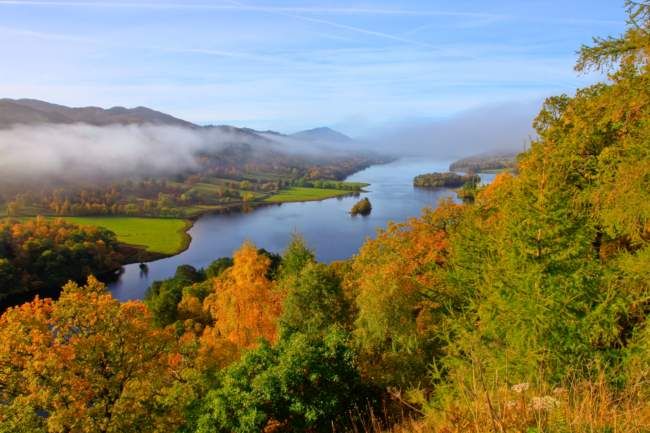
[[39, 256], [445, 180], [216, 166], [486, 162], [525, 310]]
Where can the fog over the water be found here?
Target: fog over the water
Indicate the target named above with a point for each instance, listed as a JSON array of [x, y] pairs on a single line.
[[493, 128]]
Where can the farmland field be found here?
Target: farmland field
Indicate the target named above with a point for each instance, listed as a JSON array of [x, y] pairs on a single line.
[[156, 235], [305, 194]]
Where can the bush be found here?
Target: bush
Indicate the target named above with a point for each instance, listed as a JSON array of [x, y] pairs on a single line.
[[302, 384]]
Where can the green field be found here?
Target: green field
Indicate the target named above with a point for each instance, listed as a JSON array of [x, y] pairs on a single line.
[[305, 194], [157, 235]]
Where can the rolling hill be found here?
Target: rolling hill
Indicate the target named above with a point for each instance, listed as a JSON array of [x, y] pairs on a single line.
[[32, 111]]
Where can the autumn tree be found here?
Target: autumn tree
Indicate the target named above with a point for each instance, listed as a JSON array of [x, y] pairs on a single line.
[[631, 50], [88, 363], [396, 281], [163, 297], [245, 304], [40, 255]]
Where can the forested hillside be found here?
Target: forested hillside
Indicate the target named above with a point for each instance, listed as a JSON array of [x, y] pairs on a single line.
[[159, 165], [523, 311], [39, 256]]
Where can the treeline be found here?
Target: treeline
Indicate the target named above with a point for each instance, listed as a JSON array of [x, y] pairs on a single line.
[[220, 180], [445, 180], [39, 256], [475, 164], [153, 197], [150, 197], [328, 184]]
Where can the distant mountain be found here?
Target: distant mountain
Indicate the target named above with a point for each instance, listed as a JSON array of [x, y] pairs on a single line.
[[322, 135], [35, 112], [235, 146], [32, 111]]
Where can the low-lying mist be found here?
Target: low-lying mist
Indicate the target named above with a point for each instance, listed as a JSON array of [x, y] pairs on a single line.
[[496, 128], [82, 150]]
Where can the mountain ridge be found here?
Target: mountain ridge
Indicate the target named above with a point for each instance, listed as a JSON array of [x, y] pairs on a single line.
[[34, 112], [322, 134]]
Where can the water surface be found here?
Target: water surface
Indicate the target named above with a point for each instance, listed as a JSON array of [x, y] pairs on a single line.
[[326, 225]]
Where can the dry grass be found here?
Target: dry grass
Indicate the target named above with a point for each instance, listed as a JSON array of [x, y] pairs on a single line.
[[585, 407]]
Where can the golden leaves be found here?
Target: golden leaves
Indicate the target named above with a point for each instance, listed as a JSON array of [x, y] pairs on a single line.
[[89, 362], [245, 304]]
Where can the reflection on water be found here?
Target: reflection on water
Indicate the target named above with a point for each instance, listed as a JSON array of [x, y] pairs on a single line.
[[326, 225]]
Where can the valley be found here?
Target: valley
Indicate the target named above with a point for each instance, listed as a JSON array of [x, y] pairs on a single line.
[[149, 200], [325, 224], [163, 275]]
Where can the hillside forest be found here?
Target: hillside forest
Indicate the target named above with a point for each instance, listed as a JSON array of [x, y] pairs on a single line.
[[524, 310]]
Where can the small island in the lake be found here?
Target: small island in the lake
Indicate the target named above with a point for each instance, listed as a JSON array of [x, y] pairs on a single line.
[[445, 180], [362, 207]]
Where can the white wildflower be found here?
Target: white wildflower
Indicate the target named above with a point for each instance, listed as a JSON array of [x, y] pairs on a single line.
[[545, 403], [520, 387]]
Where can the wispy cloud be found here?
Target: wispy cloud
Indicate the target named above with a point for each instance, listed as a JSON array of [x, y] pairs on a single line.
[[42, 35], [292, 12], [293, 64], [364, 31], [355, 29], [230, 54], [481, 17], [251, 8]]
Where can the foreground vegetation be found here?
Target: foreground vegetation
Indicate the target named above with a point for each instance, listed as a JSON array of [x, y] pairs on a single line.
[[523, 311]]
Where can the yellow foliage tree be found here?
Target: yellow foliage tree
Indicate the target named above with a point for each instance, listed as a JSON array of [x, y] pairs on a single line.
[[245, 304], [394, 277]]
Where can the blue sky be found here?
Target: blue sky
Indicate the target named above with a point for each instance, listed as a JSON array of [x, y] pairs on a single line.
[[289, 65]]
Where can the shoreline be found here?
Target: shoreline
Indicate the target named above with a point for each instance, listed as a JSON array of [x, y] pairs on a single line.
[[138, 253], [231, 208]]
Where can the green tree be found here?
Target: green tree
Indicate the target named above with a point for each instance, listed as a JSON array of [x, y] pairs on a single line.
[[163, 297], [303, 384], [296, 256], [314, 302]]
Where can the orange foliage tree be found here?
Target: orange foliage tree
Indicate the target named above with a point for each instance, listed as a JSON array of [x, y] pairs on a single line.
[[245, 304], [398, 292], [87, 363]]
